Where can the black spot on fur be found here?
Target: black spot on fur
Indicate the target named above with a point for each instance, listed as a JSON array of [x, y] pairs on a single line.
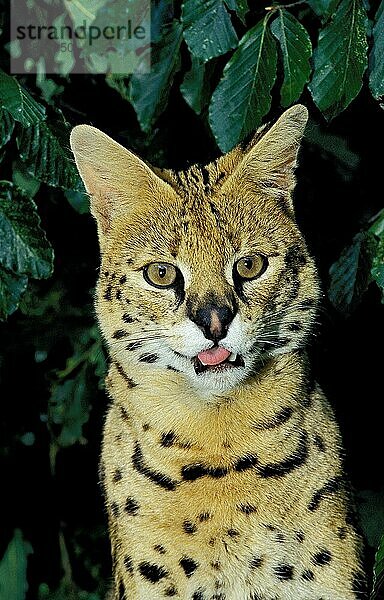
[[269, 527], [322, 558], [133, 346], [123, 279], [115, 509], [167, 439], [117, 476], [121, 591], [127, 379], [233, 533], [283, 572], [119, 334], [246, 462], [170, 368], [188, 565], [155, 476], [102, 478], [159, 548], [256, 562], [197, 470], [131, 506], [295, 326], [189, 527], [300, 536], [216, 565], [295, 257], [330, 487], [280, 538], [278, 419], [247, 508], [205, 516], [171, 591], [151, 572], [342, 533], [149, 358], [290, 463], [118, 294], [198, 595], [127, 318], [124, 415], [308, 575], [319, 443], [146, 426], [108, 293], [128, 564]]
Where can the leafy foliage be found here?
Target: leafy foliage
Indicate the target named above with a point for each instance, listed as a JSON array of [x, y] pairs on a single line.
[[208, 30], [360, 264], [378, 582], [340, 59], [13, 568], [376, 59], [296, 50], [243, 96], [225, 66]]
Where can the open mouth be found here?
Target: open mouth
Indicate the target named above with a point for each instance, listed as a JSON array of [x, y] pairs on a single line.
[[216, 359]]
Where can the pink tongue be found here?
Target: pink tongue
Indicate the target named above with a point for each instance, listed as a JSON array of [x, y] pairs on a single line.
[[213, 356]]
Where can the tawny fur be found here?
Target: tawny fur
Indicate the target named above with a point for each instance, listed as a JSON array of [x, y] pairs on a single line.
[[220, 485]]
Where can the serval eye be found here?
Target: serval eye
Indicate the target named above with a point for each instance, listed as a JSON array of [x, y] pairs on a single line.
[[161, 275], [251, 267]]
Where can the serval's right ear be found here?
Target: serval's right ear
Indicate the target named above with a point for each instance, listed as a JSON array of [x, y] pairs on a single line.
[[118, 181]]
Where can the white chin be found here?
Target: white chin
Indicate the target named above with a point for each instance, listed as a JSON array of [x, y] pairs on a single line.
[[217, 381]]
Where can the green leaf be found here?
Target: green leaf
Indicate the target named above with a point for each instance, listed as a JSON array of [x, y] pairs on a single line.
[[69, 408], [208, 30], [240, 7], [351, 273], [149, 92], [18, 102], [377, 270], [24, 248], [23, 180], [12, 287], [195, 88], [7, 125], [243, 95], [340, 59], [378, 573], [13, 569], [44, 148], [78, 200], [323, 8], [377, 227], [376, 58], [296, 49]]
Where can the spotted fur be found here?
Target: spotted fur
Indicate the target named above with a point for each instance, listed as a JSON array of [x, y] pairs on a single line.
[[225, 484]]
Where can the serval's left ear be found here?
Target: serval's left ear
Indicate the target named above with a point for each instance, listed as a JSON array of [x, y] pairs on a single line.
[[270, 158]]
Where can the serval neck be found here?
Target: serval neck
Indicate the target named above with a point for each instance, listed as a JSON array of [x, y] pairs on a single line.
[[162, 407]]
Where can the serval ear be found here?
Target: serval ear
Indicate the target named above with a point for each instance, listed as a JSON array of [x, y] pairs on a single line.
[[269, 160], [117, 181]]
